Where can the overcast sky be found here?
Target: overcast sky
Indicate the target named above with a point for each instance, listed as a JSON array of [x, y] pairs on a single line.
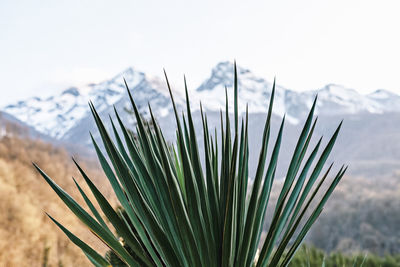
[[46, 46]]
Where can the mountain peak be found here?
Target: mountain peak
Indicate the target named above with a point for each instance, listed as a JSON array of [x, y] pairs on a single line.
[[225, 68], [128, 71], [338, 91], [127, 74], [71, 91], [222, 75], [332, 87], [382, 94]]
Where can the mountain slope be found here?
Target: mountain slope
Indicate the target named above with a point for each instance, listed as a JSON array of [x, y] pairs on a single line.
[[59, 116], [332, 99], [9, 125], [253, 90]]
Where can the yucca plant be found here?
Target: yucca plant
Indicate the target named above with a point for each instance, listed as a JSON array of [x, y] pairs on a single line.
[[181, 210]]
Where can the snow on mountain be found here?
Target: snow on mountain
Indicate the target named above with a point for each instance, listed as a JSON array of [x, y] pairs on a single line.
[[382, 94], [389, 102], [333, 99], [10, 125], [63, 116], [253, 90], [52, 116], [57, 115]]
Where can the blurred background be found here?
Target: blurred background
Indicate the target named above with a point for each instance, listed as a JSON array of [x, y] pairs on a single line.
[[55, 56]]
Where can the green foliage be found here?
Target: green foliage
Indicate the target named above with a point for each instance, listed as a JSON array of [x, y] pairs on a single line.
[[114, 260], [313, 257], [182, 213]]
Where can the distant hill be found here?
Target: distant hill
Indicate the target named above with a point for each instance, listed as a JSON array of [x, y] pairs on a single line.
[[10, 124], [26, 233]]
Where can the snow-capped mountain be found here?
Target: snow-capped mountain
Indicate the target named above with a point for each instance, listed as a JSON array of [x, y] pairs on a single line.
[[63, 116], [370, 138], [58, 115], [332, 99], [388, 101], [335, 99], [254, 91]]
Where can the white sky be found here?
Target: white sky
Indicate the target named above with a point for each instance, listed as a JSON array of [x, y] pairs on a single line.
[[46, 46]]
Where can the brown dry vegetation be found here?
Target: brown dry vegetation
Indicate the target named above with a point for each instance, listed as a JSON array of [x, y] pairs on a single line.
[[25, 230]]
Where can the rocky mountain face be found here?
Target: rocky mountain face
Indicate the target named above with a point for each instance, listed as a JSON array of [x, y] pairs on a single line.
[[66, 116]]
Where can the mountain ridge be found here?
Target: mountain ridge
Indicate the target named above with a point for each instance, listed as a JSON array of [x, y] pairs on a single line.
[[58, 115], [369, 141]]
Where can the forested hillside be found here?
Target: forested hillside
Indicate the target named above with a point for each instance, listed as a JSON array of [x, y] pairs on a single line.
[[27, 236], [363, 215]]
